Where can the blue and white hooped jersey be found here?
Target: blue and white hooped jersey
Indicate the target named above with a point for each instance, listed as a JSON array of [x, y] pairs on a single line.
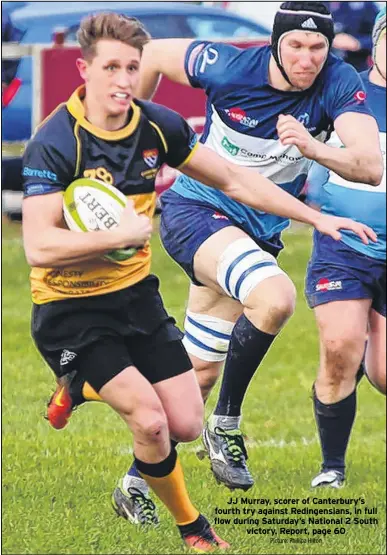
[[358, 201], [242, 114]]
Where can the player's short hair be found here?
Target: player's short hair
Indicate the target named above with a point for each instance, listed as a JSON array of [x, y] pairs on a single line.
[[111, 26]]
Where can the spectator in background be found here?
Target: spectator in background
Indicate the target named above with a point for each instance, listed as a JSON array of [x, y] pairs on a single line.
[[9, 33], [354, 22]]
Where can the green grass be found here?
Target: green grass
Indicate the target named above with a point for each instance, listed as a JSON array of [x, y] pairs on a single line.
[[57, 485]]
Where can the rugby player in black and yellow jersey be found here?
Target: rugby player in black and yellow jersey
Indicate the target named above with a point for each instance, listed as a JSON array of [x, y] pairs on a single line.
[[105, 321]]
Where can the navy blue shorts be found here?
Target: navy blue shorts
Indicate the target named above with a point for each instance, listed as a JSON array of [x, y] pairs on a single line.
[[185, 225], [337, 272]]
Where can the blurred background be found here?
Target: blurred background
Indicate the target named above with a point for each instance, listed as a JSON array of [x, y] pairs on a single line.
[[39, 50]]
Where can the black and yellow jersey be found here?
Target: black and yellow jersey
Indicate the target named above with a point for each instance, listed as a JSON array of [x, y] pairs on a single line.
[[66, 146]]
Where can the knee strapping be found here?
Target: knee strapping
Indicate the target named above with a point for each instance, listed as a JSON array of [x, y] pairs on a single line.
[[244, 265], [207, 337]]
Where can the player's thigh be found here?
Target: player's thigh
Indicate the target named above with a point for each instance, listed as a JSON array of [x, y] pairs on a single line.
[[109, 368], [164, 361], [342, 328], [183, 405], [376, 350], [131, 395]]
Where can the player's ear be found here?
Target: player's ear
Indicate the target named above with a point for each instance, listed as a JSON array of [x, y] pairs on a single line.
[[82, 67]]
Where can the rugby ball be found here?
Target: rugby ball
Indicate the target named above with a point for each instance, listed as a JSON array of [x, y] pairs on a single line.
[[91, 205]]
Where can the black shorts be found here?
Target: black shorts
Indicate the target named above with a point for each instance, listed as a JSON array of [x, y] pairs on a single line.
[[101, 336]]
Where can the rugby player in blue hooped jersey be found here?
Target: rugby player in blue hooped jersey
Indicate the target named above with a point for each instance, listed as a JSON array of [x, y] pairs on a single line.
[[270, 109], [346, 286], [104, 322]]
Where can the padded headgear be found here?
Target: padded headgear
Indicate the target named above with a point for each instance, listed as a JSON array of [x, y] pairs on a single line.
[[379, 29], [300, 16]]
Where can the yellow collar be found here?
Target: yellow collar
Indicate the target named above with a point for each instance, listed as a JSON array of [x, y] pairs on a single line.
[[76, 109]]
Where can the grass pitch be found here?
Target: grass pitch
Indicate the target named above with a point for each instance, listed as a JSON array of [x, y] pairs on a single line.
[[57, 485]]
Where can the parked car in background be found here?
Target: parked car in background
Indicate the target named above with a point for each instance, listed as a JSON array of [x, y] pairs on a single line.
[[162, 19]]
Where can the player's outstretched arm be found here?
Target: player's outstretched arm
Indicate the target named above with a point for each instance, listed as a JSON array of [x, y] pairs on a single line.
[[48, 243], [360, 160], [251, 188], [162, 57]]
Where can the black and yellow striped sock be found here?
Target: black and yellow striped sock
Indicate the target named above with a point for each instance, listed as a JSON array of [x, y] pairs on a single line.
[[167, 481]]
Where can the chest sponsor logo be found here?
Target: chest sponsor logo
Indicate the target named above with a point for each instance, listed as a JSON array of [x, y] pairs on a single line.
[[150, 157], [237, 115], [234, 150], [325, 285], [230, 147]]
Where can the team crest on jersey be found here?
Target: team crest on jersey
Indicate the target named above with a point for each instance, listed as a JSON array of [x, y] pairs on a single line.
[[150, 157], [304, 119]]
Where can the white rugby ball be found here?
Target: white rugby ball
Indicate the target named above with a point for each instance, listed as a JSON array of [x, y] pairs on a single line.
[[91, 205]]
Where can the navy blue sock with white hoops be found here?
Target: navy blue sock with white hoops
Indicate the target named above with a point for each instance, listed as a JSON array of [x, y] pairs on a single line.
[[248, 346]]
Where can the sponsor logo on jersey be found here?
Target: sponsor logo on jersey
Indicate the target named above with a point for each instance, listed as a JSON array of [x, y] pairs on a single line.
[[230, 147], [360, 96], [66, 357], [99, 173], [43, 174], [309, 24], [237, 115], [325, 285], [33, 189], [218, 216], [150, 157], [284, 159], [150, 174]]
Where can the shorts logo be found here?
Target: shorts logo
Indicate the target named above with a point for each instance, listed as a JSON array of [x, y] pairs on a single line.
[[237, 115], [360, 96], [66, 357], [218, 216], [325, 285], [150, 157]]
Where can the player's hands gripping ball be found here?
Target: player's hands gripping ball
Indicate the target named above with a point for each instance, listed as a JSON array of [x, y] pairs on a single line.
[[91, 205]]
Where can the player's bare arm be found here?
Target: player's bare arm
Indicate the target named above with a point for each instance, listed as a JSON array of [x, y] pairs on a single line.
[[255, 190], [162, 57], [48, 243], [360, 160]]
